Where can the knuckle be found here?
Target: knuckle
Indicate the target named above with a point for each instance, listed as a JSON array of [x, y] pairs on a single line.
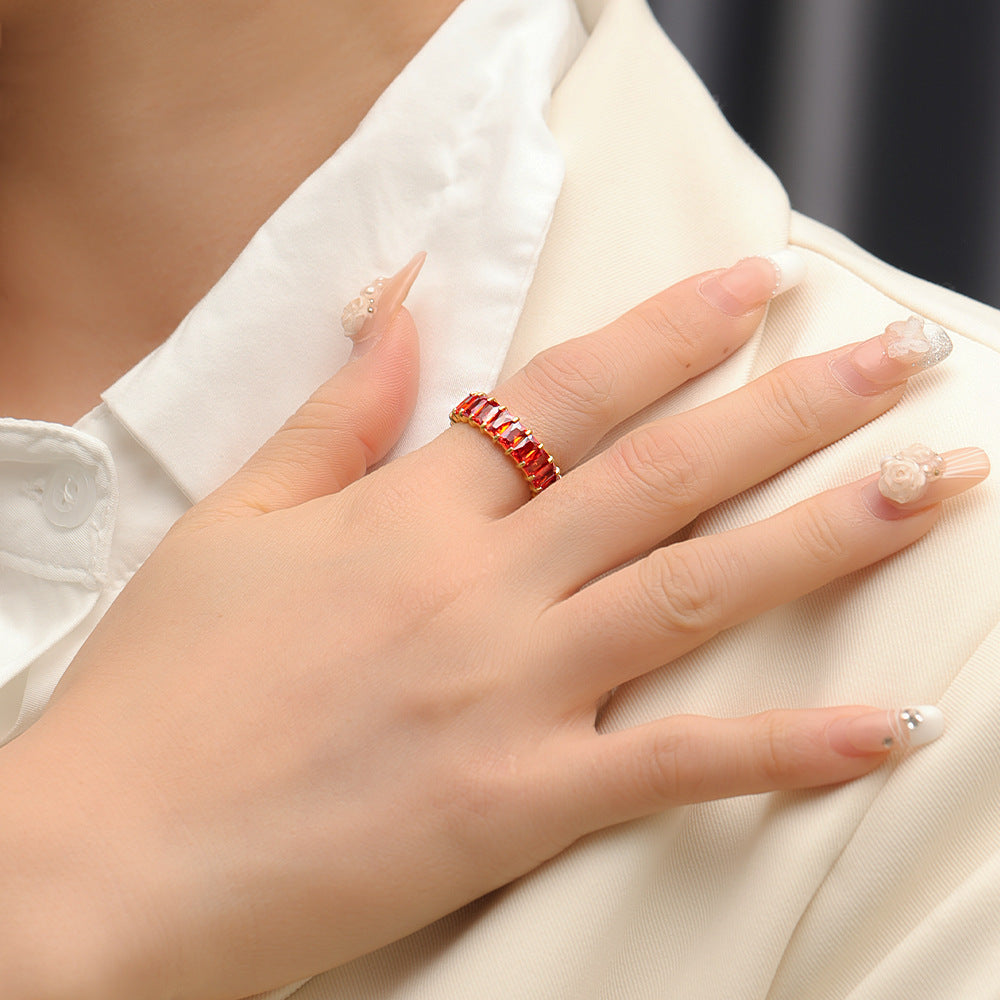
[[323, 420], [673, 770], [778, 750], [817, 533], [276, 478], [654, 320], [303, 459], [789, 409], [656, 468], [321, 413], [661, 767], [684, 591], [577, 376], [471, 800], [423, 597]]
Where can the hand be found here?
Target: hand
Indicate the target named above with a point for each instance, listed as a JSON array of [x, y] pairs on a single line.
[[330, 709]]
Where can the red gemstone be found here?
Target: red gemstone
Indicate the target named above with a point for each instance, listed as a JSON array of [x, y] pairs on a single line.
[[537, 464], [485, 412], [512, 436], [499, 423], [541, 483], [526, 452]]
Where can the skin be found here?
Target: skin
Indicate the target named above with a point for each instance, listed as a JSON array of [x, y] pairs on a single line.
[[124, 131], [189, 846], [195, 849]]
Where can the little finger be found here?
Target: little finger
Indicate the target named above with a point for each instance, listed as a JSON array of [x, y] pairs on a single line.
[[606, 779]]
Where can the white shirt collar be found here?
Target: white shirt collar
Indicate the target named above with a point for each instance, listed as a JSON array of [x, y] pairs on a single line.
[[455, 158]]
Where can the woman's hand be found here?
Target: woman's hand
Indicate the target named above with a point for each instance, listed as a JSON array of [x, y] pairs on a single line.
[[330, 709]]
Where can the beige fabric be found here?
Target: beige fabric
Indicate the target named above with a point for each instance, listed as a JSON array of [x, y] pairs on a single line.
[[885, 888]]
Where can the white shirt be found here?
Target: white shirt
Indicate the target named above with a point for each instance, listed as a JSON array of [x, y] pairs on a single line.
[[454, 158]]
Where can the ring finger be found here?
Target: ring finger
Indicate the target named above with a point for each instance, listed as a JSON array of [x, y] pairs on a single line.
[[679, 596]]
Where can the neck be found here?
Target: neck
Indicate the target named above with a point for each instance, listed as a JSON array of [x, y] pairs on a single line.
[[143, 142]]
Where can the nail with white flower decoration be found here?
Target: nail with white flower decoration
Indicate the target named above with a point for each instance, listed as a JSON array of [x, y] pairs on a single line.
[[917, 477], [904, 349], [906, 474], [359, 310]]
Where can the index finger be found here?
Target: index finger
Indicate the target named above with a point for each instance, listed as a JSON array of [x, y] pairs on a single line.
[[572, 394]]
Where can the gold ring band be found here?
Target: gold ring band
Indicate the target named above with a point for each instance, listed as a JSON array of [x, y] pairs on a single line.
[[515, 440]]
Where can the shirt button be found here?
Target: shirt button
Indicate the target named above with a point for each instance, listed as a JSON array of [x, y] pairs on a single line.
[[70, 495]]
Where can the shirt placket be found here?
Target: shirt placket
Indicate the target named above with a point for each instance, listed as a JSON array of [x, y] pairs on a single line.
[[58, 507]]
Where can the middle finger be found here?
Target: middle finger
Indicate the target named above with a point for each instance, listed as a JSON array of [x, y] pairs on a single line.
[[653, 481]]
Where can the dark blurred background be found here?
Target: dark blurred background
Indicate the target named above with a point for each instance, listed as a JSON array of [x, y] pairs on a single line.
[[881, 117]]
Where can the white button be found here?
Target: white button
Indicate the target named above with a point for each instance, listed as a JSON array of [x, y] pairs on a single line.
[[70, 495]]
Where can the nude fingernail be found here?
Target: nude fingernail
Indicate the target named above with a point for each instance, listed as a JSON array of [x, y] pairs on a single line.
[[367, 317], [752, 282], [917, 477], [902, 350], [877, 732]]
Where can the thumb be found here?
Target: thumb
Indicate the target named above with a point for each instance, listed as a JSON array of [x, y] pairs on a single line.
[[350, 422]]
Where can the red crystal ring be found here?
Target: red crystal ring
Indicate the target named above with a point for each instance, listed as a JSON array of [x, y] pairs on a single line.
[[516, 441]]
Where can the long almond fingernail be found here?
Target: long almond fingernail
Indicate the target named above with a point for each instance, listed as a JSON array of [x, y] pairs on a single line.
[[917, 477], [367, 317], [877, 732], [753, 282], [902, 350]]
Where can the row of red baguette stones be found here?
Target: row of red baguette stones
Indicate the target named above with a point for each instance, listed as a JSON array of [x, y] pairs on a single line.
[[516, 441]]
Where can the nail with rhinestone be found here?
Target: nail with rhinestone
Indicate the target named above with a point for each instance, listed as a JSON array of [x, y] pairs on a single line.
[[877, 732], [366, 317]]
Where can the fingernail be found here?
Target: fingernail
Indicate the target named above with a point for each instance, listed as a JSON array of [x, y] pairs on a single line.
[[367, 317], [904, 349], [752, 282], [917, 477], [877, 732]]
